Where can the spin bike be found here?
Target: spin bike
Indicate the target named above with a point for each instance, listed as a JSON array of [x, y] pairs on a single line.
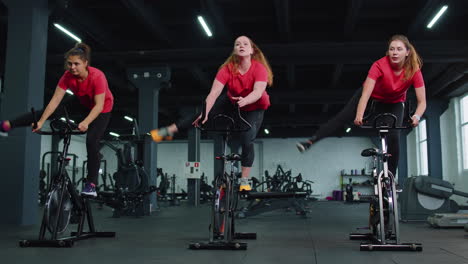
[[383, 209], [222, 233], [63, 200]]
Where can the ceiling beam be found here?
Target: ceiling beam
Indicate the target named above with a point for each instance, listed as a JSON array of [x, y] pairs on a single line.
[[291, 75], [351, 17], [283, 19], [426, 10], [149, 17], [336, 76], [448, 51], [450, 75], [220, 25], [201, 77], [457, 88]]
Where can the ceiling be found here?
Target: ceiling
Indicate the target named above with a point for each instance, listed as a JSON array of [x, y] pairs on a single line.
[[320, 51]]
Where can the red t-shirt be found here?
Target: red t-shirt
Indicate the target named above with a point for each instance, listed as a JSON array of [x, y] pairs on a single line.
[[95, 83], [242, 84], [389, 87]]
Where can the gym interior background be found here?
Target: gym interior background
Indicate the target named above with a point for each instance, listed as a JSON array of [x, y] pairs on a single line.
[[320, 53]]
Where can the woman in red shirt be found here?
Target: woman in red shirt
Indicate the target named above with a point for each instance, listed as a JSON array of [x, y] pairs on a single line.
[[386, 85], [246, 73], [90, 86]]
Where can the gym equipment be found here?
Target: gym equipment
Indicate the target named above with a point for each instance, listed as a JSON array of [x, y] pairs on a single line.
[[222, 233], [44, 175], [125, 203], [131, 183], [349, 191], [448, 220], [104, 186], [167, 184], [206, 190], [63, 200], [383, 209], [283, 191], [425, 196]]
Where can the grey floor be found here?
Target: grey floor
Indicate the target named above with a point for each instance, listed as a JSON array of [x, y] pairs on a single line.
[[283, 237]]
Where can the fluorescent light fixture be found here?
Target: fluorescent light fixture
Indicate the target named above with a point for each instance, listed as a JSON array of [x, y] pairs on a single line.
[[205, 26], [114, 134], [266, 131], [65, 120], [437, 16], [64, 30], [348, 130], [69, 92], [128, 118]]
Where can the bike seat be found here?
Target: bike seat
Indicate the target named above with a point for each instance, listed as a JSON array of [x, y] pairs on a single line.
[[233, 157], [369, 152]]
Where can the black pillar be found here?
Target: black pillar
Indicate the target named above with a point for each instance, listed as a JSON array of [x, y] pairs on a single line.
[[193, 184], [218, 148], [24, 88], [403, 161], [149, 80], [434, 152]]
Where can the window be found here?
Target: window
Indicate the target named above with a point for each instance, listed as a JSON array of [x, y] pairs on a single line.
[[421, 134], [464, 129]]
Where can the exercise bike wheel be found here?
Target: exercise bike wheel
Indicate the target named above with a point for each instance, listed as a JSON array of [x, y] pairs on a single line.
[[389, 201], [389, 214], [52, 207], [219, 209]]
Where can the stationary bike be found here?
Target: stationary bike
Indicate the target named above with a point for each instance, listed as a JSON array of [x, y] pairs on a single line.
[[383, 209], [63, 200], [222, 233]]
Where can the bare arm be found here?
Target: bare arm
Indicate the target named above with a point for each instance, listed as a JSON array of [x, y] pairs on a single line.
[[258, 89], [421, 107], [51, 107], [95, 111], [367, 89], [215, 91]]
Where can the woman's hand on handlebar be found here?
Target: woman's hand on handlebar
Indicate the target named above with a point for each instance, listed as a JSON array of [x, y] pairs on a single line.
[[83, 126], [241, 102], [414, 121], [38, 126], [196, 123], [358, 120]]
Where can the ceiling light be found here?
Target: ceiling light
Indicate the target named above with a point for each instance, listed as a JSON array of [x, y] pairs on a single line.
[[348, 130], [205, 26], [64, 30], [65, 120], [69, 92], [114, 134], [266, 131], [128, 118], [439, 14]]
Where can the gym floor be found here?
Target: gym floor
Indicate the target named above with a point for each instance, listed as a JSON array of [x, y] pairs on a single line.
[[283, 237]]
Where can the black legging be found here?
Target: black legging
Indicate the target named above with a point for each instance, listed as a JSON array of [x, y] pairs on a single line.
[[224, 106], [94, 134], [348, 113]]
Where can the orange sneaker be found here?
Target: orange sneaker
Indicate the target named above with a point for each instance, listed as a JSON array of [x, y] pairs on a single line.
[[155, 135], [159, 135], [244, 185]]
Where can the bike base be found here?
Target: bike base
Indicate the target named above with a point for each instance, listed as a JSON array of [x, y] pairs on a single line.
[[391, 247], [219, 245]]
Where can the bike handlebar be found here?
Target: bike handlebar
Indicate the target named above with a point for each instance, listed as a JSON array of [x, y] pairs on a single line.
[[243, 126], [384, 125], [69, 129]]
